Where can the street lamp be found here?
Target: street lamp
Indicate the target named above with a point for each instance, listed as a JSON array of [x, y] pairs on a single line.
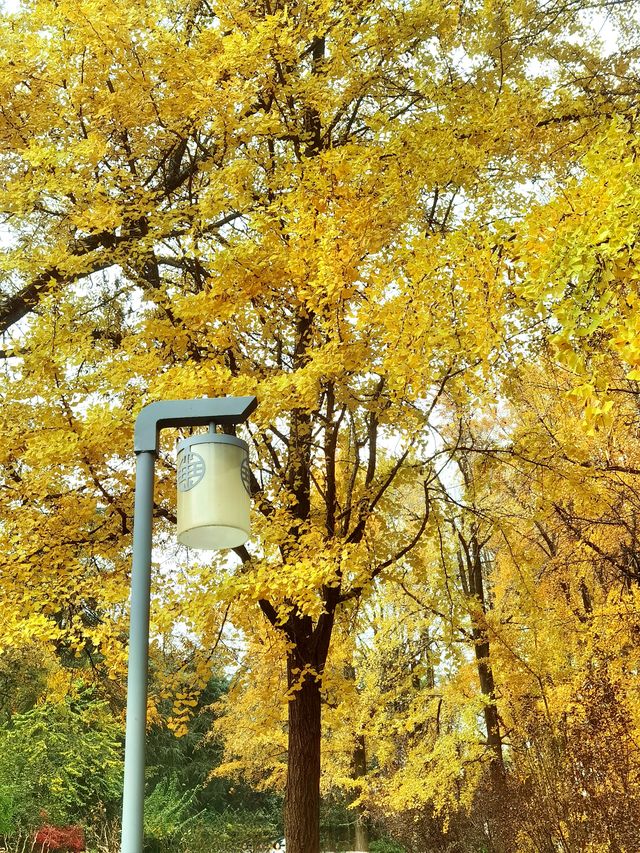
[[213, 491], [213, 512]]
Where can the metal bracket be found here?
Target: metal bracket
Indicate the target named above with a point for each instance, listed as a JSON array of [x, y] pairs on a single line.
[[179, 413]]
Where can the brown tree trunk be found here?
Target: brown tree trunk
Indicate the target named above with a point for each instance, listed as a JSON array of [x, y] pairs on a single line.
[[361, 841], [361, 838], [302, 801], [473, 584], [491, 718]]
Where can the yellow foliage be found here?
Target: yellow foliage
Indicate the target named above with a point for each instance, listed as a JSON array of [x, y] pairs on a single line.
[[409, 228]]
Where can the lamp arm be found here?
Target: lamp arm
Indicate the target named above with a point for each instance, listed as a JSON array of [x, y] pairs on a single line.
[[182, 413]]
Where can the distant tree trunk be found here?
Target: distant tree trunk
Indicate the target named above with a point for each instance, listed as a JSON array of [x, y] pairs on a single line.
[[361, 841], [491, 719], [473, 584], [361, 838]]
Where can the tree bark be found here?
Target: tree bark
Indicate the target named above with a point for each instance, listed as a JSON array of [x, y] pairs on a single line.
[[491, 718], [473, 585], [361, 835], [302, 801]]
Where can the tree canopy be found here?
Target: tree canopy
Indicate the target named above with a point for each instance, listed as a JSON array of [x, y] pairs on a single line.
[[409, 228]]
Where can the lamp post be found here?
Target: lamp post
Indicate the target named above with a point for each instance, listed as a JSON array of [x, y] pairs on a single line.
[[205, 520]]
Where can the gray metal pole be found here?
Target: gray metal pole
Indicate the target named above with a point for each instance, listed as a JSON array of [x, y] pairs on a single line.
[[153, 418], [133, 795]]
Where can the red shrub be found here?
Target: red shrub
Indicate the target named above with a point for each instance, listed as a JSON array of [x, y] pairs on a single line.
[[66, 838]]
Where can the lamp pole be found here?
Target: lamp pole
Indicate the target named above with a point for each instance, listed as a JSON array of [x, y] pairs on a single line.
[[151, 420]]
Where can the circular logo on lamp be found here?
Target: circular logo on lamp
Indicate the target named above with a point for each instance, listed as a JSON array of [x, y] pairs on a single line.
[[190, 471]]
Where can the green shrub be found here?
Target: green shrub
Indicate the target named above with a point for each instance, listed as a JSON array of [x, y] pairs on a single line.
[[385, 845], [62, 759], [7, 811], [168, 814], [231, 831]]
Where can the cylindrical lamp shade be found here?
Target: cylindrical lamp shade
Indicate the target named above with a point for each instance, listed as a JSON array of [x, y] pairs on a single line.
[[213, 491]]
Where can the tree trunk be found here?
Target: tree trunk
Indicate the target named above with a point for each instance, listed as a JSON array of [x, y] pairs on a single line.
[[361, 838], [302, 801], [491, 718], [362, 832], [473, 585]]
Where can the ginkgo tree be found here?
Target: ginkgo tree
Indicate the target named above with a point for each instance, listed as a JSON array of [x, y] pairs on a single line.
[[306, 201], [564, 589]]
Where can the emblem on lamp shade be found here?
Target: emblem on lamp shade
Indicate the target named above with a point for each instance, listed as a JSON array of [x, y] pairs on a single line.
[[190, 471]]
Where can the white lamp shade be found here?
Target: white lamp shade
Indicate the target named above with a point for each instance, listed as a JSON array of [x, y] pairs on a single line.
[[213, 491]]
